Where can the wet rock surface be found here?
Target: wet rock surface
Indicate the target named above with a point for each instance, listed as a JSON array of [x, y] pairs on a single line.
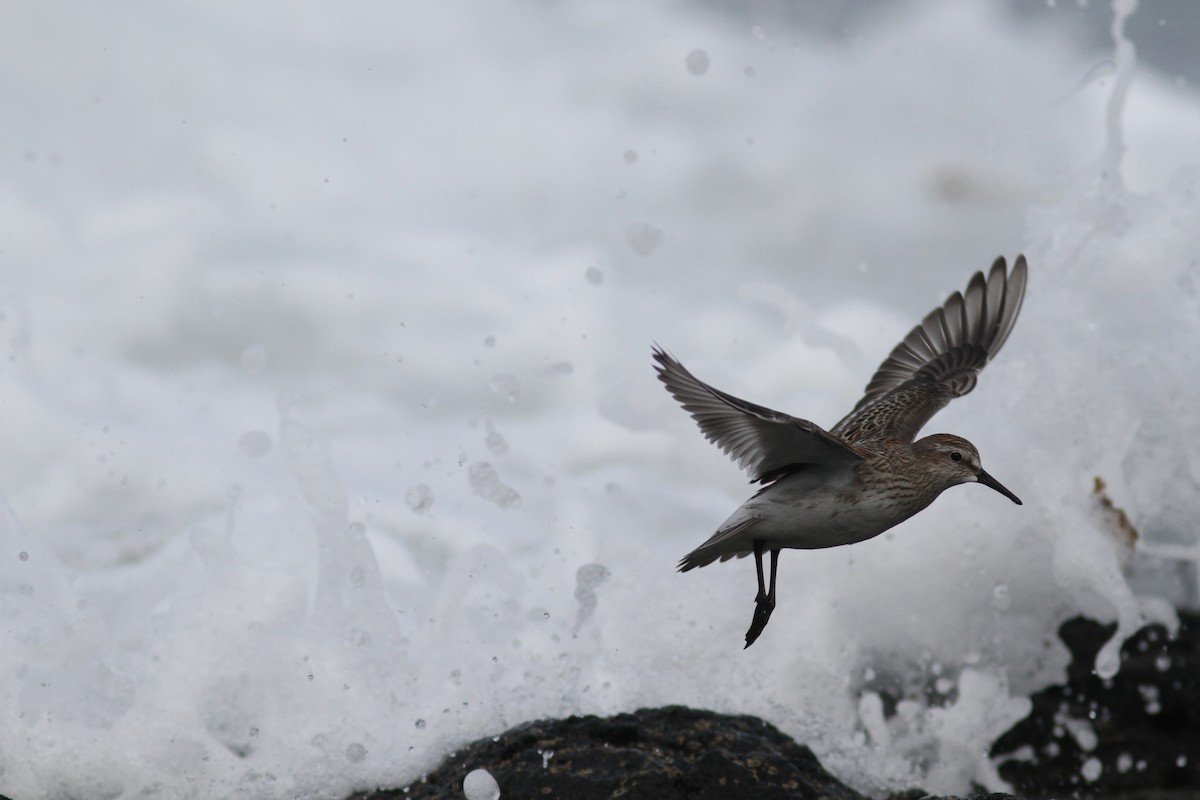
[[1135, 737], [651, 754]]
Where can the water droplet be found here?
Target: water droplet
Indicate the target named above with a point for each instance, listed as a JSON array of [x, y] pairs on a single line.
[[489, 341], [644, 238], [23, 556], [356, 753], [1091, 769], [589, 576], [594, 275], [254, 444], [697, 61], [486, 482], [254, 359], [494, 441], [419, 724], [1150, 696], [480, 785], [630, 156], [587, 579], [505, 386], [419, 498]]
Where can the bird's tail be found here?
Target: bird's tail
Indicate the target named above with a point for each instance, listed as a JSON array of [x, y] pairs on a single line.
[[723, 545]]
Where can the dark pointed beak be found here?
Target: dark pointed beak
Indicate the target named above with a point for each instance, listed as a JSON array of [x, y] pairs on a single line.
[[989, 481]]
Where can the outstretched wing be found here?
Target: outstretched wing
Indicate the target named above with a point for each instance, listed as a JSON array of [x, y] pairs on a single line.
[[763, 442], [940, 359]]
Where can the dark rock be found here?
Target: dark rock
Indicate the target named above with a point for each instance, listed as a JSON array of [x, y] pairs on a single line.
[[1145, 720], [651, 754], [671, 753], [1134, 737]]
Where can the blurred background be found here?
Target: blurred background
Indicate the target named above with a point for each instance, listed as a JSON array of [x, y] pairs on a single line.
[[331, 439]]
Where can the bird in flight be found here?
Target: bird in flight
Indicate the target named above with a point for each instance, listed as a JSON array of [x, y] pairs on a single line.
[[825, 488]]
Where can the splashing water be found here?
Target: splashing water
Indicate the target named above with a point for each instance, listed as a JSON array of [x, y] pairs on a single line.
[[248, 334]]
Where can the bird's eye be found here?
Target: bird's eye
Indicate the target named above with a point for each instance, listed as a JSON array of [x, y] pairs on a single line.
[[956, 456]]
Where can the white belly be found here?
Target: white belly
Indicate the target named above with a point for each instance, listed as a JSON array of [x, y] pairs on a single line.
[[804, 513], [810, 510]]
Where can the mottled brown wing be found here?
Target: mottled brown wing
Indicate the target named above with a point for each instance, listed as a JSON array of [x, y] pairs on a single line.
[[763, 442], [940, 359]]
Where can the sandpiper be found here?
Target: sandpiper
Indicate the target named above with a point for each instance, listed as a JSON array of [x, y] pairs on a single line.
[[865, 474]]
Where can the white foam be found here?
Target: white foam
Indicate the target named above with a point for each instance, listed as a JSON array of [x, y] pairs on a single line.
[[292, 320]]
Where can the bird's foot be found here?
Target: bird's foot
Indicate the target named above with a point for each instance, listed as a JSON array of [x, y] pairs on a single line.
[[763, 606]]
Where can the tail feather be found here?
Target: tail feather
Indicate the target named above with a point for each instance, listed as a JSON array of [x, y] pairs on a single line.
[[723, 545]]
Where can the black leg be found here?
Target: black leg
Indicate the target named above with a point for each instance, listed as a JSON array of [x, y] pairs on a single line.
[[764, 603], [762, 588], [774, 570]]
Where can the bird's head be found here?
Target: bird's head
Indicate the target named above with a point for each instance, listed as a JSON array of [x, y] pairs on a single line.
[[954, 460]]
